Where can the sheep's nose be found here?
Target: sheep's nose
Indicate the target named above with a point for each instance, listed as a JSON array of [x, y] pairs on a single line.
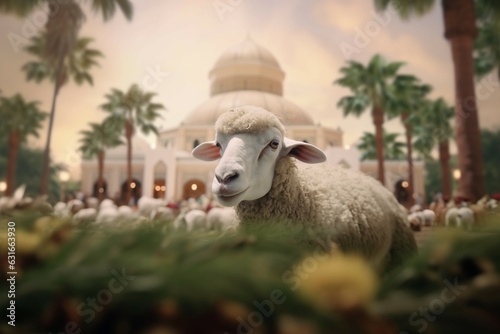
[[227, 177]]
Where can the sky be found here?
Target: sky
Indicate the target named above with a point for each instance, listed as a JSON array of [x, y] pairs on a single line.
[[170, 46]]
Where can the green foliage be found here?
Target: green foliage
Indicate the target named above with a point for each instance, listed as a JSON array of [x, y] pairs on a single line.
[[487, 49], [449, 287], [77, 62], [106, 7], [393, 149], [491, 146], [432, 126], [100, 137], [406, 8], [407, 95], [194, 272], [369, 85], [19, 7], [29, 171], [153, 279], [433, 179], [20, 117], [134, 106], [487, 42]]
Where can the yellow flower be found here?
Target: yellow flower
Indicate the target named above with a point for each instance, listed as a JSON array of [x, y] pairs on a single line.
[[340, 282]]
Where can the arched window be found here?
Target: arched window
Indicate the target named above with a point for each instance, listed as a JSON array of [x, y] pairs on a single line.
[[196, 143]]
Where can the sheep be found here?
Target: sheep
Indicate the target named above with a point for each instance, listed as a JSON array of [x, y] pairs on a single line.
[[75, 205], [451, 217], [415, 208], [92, 202], [107, 215], [221, 218], [415, 221], [491, 204], [85, 216], [162, 213], [107, 203], [465, 217], [259, 175], [429, 217], [146, 205], [61, 210], [191, 220]]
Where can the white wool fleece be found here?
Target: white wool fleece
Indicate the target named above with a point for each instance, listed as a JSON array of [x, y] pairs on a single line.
[[247, 119], [364, 216]]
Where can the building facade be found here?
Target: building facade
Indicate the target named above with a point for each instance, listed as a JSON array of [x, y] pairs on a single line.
[[246, 74]]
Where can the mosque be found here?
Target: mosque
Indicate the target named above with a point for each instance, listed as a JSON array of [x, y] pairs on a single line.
[[246, 74]]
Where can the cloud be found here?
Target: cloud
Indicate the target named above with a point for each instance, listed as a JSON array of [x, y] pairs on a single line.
[[343, 15]]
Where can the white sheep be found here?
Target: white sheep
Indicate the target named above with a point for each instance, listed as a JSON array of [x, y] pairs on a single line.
[[162, 213], [465, 217], [451, 217], [107, 203], [107, 215], [491, 204], [191, 220], [75, 205], [415, 221], [221, 218], [61, 210], [258, 175], [85, 216], [146, 205], [429, 217], [92, 202]]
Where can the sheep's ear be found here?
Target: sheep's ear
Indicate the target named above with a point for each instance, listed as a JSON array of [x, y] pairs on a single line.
[[207, 151], [303, 151]]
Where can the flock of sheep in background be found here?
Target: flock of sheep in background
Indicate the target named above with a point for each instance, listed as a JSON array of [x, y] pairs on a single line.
[[209, 215], [189, 215], [457, 213]]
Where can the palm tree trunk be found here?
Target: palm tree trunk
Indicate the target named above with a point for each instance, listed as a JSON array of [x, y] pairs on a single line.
[[461, 30], [44, 182], [129, 131], [100, 180], [14, 140], [409, 156], [444, 161], [378, 121]]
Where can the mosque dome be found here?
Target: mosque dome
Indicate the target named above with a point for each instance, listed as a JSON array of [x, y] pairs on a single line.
[[246, 66], [208, 112], [247, 52], [247, 74]]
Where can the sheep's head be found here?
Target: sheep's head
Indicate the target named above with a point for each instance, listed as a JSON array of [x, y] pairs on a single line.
[[249, 141]]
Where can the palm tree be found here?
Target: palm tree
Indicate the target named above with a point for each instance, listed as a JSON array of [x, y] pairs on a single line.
[[369, 86], [20, 119], [408, 96], [94, 142], [61, 37], [128, 110], [393, 149], [74, 65], [107, 8], [435, 129], [460, 31], [491, 143], [487, 47]]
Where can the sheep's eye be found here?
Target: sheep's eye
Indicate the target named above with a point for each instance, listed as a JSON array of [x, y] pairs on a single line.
[[274, 144], [218, 145]]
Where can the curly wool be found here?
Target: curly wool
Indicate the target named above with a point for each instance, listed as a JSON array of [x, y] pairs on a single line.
[[247, 119]]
